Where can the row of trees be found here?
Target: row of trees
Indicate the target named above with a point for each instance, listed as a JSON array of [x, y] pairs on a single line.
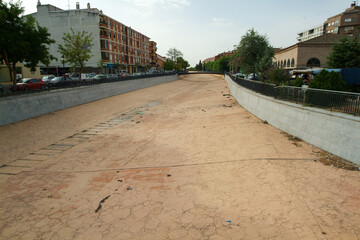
[[24, 40]]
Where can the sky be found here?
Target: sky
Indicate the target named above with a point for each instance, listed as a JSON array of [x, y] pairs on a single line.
[[205, 28]]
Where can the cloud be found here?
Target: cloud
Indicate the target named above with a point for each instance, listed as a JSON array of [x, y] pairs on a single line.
[[221, 22], [160, 3]]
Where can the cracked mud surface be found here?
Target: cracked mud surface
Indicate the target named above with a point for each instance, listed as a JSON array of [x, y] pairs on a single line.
[[181, 160]]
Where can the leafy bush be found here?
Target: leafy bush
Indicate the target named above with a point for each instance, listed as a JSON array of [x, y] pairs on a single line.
[[298, 82], [278, 76], [328, 80]]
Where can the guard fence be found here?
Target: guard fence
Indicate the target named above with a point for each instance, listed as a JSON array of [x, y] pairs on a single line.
[[347, 102]]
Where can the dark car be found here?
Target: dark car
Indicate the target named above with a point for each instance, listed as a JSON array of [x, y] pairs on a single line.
[[60, 81], [26, 84]]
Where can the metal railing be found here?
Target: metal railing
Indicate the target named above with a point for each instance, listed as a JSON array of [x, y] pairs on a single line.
[[347, 102], [75, 84]]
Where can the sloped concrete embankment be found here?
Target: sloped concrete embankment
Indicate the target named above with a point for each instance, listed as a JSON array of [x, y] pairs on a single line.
[[14, 109], [337, 133]]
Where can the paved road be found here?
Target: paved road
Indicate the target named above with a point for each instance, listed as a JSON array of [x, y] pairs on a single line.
[[175, 161]]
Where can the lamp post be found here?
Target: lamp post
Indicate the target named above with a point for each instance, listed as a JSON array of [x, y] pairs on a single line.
[[63, 62]]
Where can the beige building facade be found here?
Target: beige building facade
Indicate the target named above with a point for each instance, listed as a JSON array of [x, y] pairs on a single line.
[[20, 69], [308, 54]]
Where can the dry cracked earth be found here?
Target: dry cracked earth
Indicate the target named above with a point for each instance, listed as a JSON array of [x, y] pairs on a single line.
[[180, 160]]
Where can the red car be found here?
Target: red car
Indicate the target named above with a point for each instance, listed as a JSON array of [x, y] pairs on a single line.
[[29, 84]]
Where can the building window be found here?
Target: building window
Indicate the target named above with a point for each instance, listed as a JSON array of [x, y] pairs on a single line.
[[104, 44], [349, 28], [293, 62], [313, 62], [105, 55], [349, 20], [336, 23]]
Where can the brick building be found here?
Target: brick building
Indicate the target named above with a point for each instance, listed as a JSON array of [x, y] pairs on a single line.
[[346, 23], [116, 46]]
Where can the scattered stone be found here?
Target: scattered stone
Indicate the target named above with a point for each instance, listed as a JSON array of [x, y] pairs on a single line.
[[129, 188], [120, 180], [115, 190], [227, 94], [329, 159], [324, 233], [137, 122], [229, 106], [117, 171], [265, 122], [44, 189], [169, 175], [100, 204]]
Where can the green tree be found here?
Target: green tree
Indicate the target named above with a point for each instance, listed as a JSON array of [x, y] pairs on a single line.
[[199, 66], [22, 39], [278, 76], [345, 54], [265, 63], [174, 54], [181, 64], [169, 65], [253, 53], [328, 80], [223, 64], [77, 48]]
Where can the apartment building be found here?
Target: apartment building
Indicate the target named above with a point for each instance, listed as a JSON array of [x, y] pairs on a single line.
[[153, 56], [313, 32], [160, 60], [346, 23], [116, 46]]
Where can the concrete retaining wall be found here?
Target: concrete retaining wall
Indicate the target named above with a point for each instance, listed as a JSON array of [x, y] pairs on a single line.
[[336, 133], [14, 109]]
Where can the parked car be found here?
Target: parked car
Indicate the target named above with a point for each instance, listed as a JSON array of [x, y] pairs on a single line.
[[46, 79], [125, 74], [99, 77], [26, 84], [240, 75], [60, 81], [137, 74]]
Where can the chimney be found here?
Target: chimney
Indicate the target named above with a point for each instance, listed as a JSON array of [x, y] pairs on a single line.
[[88, 6], [77, 5], [353, 4]]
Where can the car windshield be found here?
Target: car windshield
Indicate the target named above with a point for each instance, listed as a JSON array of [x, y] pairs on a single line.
[[57, 78]]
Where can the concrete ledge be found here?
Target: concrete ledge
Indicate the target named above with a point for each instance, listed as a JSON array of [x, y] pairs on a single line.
[[14, 109], [337, 133]]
